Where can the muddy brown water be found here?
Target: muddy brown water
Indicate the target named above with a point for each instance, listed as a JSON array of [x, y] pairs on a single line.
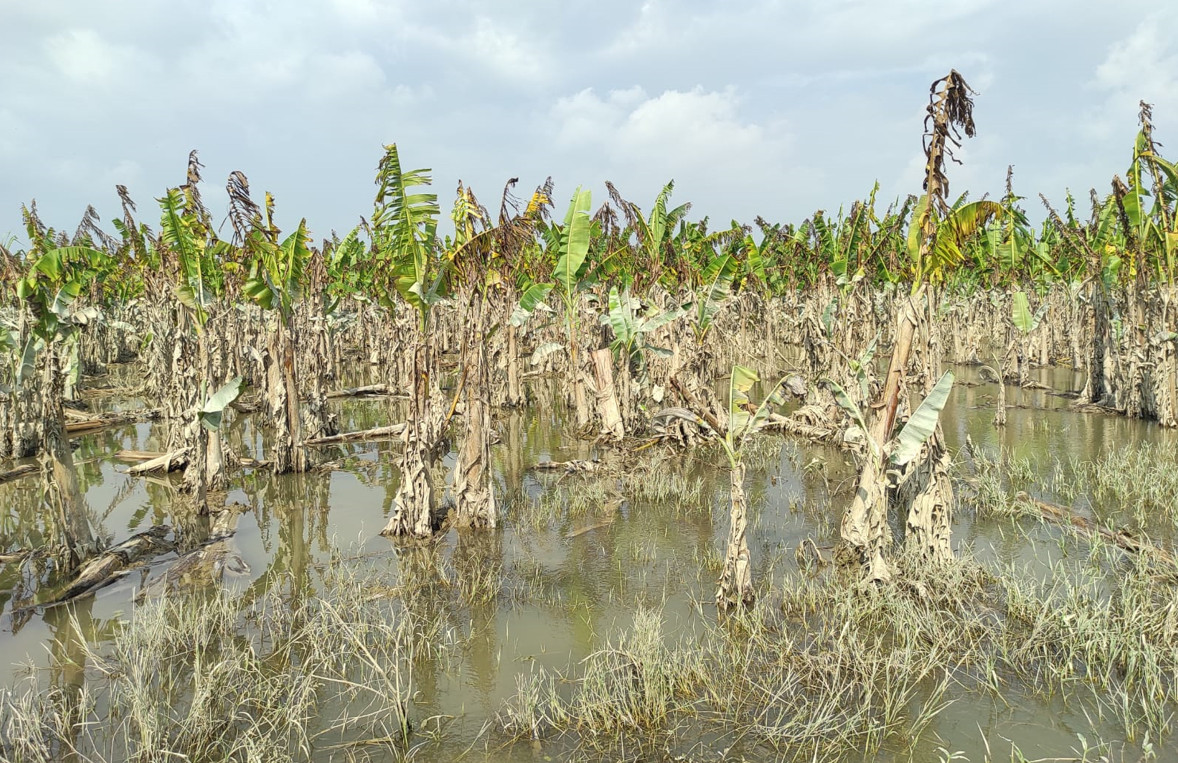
[[567, 584]]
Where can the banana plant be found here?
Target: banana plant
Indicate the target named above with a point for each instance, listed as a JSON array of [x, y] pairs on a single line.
[[54, 281], [403, 235], [277, 278], [631, 324], [404, 232], [921, 425], [1153, 231], [933, 261], [935, 237], [718, 277], [655, 231], [569, 244], [743, 420], [196, 249], [48, 291]]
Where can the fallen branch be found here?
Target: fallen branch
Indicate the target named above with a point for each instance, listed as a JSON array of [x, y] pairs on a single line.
[[116, 562], [138, 455], [569, 467], [379, 433], [167, 462], [17, 473], [80, 424], [371, 390], [1065, 517]]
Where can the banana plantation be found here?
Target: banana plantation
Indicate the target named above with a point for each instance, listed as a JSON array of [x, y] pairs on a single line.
[[587, 478]]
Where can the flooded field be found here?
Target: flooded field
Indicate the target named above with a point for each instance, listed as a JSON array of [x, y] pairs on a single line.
[[585, 627], [895, 483]]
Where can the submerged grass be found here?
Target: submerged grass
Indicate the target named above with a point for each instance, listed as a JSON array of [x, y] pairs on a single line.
[[1134, 486], [214, 678], [756, 676], [837, 669]]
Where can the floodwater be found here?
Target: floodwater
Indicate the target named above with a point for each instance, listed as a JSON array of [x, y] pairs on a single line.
[[566, 579]]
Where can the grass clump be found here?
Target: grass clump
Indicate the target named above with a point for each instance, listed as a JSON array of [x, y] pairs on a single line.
[[213, 678], [752, 676]]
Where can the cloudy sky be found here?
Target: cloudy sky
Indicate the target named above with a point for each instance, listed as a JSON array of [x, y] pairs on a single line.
[[753, 108]]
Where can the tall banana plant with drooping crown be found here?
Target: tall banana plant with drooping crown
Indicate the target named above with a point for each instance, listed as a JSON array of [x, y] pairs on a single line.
[[477, 257], [934, 246]]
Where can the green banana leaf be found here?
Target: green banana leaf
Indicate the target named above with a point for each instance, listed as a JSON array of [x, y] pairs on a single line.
[[922, 423], [214, 408]]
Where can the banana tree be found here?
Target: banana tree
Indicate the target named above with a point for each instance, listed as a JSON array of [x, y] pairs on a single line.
[[403, 232], [655, 233], [930, 511], [732, 427], [190, 249], [935, 237], [717, 277], [476, 257], [632, 324], [472, 255], [276, 282], [51, 320], [569, 245]]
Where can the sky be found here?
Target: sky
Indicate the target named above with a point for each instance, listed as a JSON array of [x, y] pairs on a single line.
[[766, 108]]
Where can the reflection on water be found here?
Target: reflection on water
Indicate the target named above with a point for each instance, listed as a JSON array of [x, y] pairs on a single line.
[[568, 569]]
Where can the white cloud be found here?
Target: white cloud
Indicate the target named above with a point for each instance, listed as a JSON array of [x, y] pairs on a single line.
[[331, 76], [697, 137], [509, 53], [671, 129], [506, 52], [84, 57], [366, 12], [650, 29], [1140, 67]]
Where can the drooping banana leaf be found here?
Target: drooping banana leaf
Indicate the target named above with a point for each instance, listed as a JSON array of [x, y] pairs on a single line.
[[754, 257], [28, 358], [658, 320], [64, 298], [621, 317], [214, 408], [741, 420], [916, 228], [544, 351], [528, 302], [1020, 313], [739, 417], [922, 423], [718, 276], [844, 401]]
